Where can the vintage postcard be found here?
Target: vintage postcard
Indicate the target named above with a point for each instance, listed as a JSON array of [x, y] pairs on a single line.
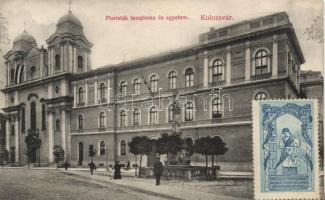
[[153, 99], [285, 141]]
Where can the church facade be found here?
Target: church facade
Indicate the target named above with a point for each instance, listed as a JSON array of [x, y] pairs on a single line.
[[54, 95]]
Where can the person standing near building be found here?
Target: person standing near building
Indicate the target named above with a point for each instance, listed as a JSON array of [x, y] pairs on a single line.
[[117, 170], [92, 166], [158, 170]]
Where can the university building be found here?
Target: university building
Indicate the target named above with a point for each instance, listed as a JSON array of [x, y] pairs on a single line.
[[54, 94]]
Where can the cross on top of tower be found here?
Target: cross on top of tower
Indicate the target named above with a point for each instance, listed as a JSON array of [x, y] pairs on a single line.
[[70, 2]]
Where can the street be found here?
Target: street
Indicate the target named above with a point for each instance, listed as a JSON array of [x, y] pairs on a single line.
[[27, 184]]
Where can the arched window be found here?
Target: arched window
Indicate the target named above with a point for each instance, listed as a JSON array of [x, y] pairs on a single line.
[[22, 119], [102, 93], [170, 114], [80, 122], [102, 118], [137, 86], [123, 87], [153, 115], [189, 77], [32, 72], [43, 117], [123, 118], [81, 95], [216, 108], [172, 80], [102, 148], [189, 111], [57, 125], [123, 148], [217, 70], [57, 61], [136, 116], [154, 83], [80, 62], [261, 96], [33, 115], [261, 62]]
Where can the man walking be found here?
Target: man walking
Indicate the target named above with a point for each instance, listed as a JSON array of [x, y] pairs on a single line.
[[158, 170], [92, 166]]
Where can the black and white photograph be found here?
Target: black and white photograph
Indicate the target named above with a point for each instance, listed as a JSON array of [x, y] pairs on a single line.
[[145, 100]]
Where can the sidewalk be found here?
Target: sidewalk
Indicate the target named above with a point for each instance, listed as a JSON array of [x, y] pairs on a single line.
[[167, 190]]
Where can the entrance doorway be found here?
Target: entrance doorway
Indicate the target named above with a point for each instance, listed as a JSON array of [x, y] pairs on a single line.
[[81, 153]]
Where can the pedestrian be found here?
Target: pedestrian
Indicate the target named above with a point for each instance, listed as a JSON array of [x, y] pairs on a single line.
[[158, 170], [92, 166], [66, 165], [117, 170]]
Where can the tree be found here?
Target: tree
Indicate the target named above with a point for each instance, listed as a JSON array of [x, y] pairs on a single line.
[[92, 152], [170, 144], [218, 147], [58, 153], [140, 145], [316, 31], [204, 146]]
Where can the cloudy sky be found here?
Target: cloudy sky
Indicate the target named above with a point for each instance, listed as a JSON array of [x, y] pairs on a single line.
[[117, 41]]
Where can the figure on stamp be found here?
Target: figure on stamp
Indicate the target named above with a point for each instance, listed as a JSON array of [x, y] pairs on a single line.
[[289, 145]]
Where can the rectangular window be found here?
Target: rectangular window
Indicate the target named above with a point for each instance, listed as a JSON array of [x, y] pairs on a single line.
[[267, 21], [255, 25]]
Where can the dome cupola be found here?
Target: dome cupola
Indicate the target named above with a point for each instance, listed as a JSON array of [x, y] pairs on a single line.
[[23, 42], [69, 23]]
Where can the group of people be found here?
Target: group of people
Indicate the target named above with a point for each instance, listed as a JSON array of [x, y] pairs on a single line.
[[157, 169]]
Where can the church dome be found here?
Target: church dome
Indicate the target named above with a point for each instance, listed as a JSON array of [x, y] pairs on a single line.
[[24, 42], [69, 23], [24, 36], [69, 17]]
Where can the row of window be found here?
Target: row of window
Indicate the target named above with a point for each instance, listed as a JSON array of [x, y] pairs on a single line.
[[153, 113], [153, 82], [102, 148], [33, 124]]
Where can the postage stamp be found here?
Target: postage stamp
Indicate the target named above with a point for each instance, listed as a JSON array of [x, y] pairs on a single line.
[[285, 146]]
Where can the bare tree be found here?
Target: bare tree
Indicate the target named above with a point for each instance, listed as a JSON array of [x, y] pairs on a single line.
[[316, 30]]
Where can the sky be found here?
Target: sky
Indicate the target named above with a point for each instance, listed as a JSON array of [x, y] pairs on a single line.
[[118, 41]]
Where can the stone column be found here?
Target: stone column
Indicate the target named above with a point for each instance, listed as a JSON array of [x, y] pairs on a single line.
[[17, 139], [8, 135], [228, 66], [96, 91], [74, 59], [75, 96], [61, 58], [109, 89], [205, 69], [51, 135], [85, 67], [16, 97], [63, 130], [49, 62], [248, 62], [86, 93], [64, 87], [70, 58], [275, 56]]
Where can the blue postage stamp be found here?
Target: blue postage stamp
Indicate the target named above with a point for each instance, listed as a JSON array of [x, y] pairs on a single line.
[[285, 148]]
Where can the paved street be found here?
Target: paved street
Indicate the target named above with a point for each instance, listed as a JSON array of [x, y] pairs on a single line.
[[24, 184]]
